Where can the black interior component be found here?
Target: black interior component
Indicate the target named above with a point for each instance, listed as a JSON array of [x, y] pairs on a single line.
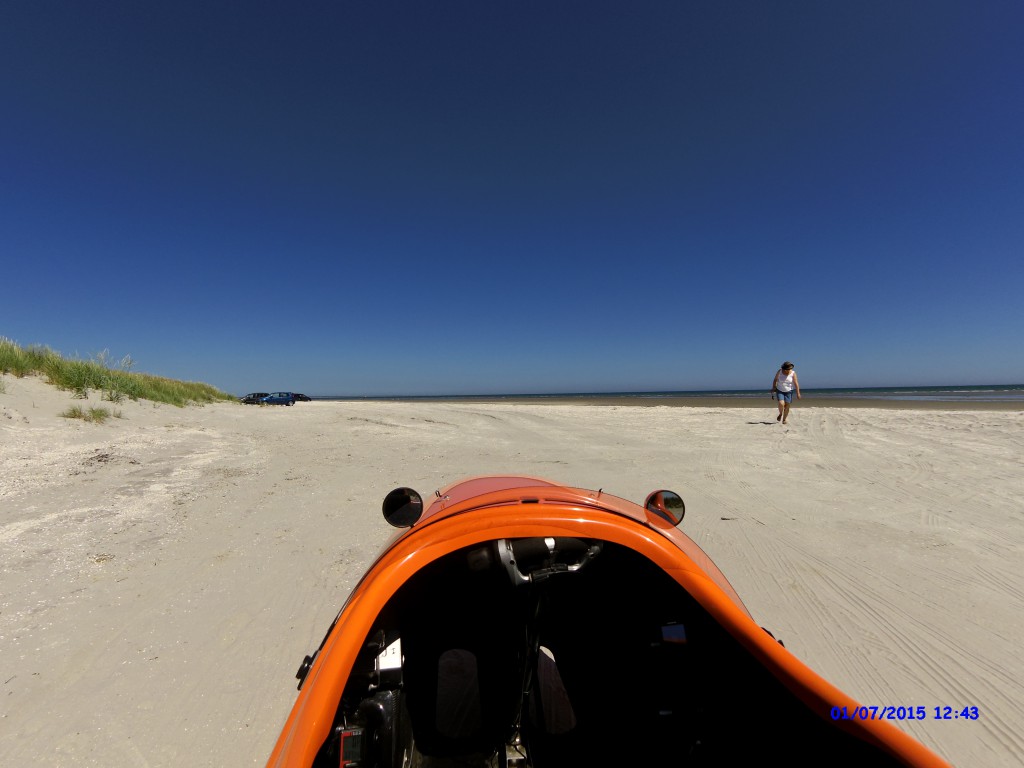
[[529, 561], [381, 716], [611, 664]]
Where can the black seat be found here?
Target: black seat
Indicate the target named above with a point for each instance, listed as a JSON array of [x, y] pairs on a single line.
[[462, 646]]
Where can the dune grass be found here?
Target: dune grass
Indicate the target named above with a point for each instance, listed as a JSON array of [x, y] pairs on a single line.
[[93, 415], [101, 374]]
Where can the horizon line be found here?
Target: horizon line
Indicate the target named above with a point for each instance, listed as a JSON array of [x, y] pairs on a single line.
[[615, 393]]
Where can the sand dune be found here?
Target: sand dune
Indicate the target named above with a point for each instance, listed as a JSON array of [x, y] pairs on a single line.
[[162, 574]]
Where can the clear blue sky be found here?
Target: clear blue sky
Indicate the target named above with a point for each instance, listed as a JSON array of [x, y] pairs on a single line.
[[483, 197]]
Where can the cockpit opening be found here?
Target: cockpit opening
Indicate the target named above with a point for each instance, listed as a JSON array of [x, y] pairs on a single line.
[[565, 652]]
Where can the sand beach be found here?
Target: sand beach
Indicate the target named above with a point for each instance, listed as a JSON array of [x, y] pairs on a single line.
[[162, 574]]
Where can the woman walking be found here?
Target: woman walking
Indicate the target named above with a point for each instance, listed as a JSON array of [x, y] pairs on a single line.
[[783, 387]]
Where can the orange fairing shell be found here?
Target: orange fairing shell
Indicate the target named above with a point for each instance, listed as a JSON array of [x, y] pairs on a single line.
[[485, 509]]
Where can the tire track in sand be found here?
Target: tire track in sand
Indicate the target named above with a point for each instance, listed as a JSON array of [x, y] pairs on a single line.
[[916, 649]]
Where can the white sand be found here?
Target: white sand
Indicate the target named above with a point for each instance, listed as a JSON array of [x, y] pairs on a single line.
[[162, 575]]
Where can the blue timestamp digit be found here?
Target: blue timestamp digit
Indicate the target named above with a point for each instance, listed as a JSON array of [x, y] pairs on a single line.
[[949, 713]]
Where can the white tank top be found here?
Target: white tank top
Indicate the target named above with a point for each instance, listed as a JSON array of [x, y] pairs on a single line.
[[785, 382]]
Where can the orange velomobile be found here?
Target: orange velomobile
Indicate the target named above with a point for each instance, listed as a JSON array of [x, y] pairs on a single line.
[[518, 622]]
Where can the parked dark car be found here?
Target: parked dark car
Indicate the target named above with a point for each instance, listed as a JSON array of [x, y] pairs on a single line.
[[279, 398], [299, 396], [254, 397]]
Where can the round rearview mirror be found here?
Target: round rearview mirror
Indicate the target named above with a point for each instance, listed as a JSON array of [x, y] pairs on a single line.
[[666, 505], [403, 507]]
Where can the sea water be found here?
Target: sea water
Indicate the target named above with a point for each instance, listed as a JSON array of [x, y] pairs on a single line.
[[945, 394]]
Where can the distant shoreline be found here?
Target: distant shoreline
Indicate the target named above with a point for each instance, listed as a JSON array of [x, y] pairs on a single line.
[[993, 396], [688, 401]]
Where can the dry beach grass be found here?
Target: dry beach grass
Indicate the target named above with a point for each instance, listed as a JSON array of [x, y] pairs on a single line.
[[162, 573]]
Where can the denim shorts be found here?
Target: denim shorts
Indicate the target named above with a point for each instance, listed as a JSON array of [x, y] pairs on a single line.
[[785, 397]]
